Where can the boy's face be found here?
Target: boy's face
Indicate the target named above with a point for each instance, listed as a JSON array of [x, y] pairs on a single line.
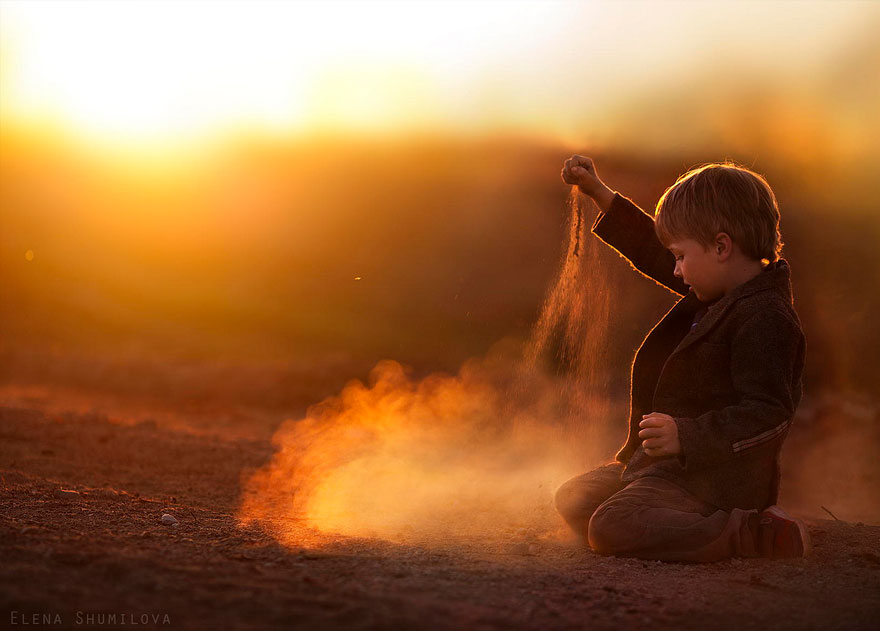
[[698, 266]]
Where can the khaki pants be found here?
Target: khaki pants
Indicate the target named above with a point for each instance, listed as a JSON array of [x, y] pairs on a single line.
[[651, 518]]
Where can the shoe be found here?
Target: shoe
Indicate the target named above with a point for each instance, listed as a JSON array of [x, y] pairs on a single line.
[[780, 536]]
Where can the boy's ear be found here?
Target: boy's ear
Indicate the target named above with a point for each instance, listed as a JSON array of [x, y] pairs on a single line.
[[723, 246]]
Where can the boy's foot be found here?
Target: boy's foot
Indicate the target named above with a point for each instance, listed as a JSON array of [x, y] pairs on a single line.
[[780, 536]]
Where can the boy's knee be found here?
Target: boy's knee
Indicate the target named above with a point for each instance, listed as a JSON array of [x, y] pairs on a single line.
[[596, 533], [608, 532], [567, 500], [577, 499]]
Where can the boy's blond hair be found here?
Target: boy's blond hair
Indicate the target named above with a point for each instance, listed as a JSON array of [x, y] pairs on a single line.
[[722, 197]]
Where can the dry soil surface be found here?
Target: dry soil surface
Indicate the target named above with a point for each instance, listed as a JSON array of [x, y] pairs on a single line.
[[100, 556]]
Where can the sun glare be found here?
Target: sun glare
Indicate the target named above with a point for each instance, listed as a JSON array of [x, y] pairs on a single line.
[[153, 72], [145, 75]]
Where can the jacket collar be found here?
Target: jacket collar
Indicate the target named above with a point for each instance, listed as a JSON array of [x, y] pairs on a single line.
[[776, 277]]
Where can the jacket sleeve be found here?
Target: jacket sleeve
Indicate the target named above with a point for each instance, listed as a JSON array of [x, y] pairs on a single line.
[[630, 231], [767, 359]]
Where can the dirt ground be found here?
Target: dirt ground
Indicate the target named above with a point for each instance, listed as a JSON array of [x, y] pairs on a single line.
[[101, 557]]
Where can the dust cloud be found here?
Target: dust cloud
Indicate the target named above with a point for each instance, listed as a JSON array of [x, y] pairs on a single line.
[[477, 454]]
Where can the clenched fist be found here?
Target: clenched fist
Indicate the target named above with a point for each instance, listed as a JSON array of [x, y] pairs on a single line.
[[580, 171], [659, 435]]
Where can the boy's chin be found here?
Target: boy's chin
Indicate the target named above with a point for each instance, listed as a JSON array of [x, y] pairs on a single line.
[[699, 295], [706, 297]]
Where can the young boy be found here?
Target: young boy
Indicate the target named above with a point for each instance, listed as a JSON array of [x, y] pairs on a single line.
[[714, 384]]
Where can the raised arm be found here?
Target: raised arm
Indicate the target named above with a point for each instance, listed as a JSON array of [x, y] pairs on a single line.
[[629, 230], [624, 226]]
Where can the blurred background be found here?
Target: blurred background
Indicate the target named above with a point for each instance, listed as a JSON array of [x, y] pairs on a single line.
[[250, 203]]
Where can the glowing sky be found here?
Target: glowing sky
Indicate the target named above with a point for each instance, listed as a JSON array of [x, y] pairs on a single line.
[[168, 71]]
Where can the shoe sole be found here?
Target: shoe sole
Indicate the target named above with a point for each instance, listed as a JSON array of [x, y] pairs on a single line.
[[802, 527]]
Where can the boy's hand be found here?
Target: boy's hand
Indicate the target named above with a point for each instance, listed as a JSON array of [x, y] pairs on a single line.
[[580, 171], [659, 435]]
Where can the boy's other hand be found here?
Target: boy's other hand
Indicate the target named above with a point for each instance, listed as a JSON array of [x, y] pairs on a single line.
[[580, 171], [659, 435]]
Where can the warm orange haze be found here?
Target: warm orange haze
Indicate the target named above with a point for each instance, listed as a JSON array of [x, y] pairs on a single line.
[[303, 273]]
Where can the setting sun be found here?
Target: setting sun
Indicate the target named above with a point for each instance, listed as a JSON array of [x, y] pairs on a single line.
[[152, 73]]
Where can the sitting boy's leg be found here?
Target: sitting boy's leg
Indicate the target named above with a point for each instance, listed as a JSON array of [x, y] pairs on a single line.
[[577, 499], [653, 518]]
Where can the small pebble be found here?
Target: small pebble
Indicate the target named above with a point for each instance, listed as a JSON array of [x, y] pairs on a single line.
[[169, 520], [63, 494]]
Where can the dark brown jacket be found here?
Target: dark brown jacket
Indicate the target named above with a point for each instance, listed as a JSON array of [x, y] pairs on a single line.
[[732, 383]]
